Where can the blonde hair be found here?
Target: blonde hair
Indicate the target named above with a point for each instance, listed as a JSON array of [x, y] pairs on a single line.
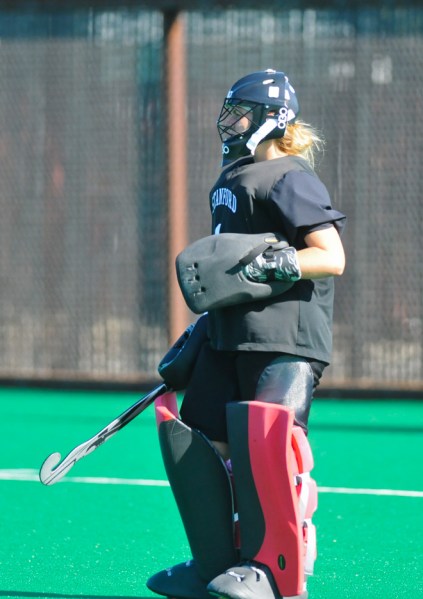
[[301, 139]]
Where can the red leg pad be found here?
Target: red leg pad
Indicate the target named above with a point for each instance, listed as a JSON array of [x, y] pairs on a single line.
[[269, 430], [274, 489]]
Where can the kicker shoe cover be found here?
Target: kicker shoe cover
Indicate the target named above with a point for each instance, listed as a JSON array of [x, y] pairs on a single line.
[[181, 581], [247, 581]]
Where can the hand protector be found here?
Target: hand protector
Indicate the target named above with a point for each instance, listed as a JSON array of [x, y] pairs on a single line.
[[274, 265], [176, 366], [211, 270]]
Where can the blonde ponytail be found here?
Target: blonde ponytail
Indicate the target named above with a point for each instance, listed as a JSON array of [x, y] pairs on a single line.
[[301, 139]]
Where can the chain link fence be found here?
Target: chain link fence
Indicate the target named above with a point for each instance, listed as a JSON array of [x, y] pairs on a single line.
[[83, 134]]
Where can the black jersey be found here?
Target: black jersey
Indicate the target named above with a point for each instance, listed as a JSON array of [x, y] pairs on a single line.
[[285, 196]]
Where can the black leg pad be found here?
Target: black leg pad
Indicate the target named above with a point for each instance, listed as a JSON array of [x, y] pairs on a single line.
[[202, 489]]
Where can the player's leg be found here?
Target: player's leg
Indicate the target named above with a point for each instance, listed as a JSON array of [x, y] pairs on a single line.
[[199, 479], [282, 379], [276, 496]]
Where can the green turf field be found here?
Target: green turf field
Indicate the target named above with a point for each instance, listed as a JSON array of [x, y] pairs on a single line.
[[110, 523]]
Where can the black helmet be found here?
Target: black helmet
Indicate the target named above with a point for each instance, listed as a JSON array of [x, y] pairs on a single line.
[[257, 107]]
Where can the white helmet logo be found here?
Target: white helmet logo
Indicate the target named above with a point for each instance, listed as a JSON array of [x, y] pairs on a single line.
[[273, 91], [282, 117]]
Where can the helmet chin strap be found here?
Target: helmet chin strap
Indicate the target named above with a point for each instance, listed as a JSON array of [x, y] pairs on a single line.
[[260, 134]]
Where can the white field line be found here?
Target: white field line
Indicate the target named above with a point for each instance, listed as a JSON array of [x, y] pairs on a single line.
[[389, 492], [31, 475]]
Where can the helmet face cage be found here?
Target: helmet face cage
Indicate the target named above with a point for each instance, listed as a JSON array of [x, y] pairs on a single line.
[[239, 120], [250, 103], [235, 119]]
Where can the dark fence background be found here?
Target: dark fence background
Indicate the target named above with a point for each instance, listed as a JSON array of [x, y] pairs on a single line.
[[84, 128]]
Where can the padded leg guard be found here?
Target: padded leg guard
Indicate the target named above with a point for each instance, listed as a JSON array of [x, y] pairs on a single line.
[[202, 489], [276, 498]]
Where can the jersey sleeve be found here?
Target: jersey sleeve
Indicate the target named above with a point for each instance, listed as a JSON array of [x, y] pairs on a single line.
[[302, 202]]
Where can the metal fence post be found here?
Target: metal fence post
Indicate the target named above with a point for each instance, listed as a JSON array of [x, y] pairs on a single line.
[[176, 130]]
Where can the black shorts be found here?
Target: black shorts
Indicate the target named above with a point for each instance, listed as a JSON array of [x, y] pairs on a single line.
[[220, 377]]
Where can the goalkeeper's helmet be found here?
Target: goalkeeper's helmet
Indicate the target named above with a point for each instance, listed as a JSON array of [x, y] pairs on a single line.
[[257, 107]]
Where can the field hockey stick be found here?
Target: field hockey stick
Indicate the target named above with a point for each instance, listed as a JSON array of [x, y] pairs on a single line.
[[52, 470]]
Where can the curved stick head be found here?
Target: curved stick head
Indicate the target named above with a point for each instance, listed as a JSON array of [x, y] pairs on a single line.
[[48, 473], [52, 470]]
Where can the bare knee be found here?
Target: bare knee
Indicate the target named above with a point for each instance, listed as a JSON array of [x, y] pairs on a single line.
[[222, 448]]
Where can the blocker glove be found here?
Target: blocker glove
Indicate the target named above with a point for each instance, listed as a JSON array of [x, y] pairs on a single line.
[[274, 265], [177, 365]]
